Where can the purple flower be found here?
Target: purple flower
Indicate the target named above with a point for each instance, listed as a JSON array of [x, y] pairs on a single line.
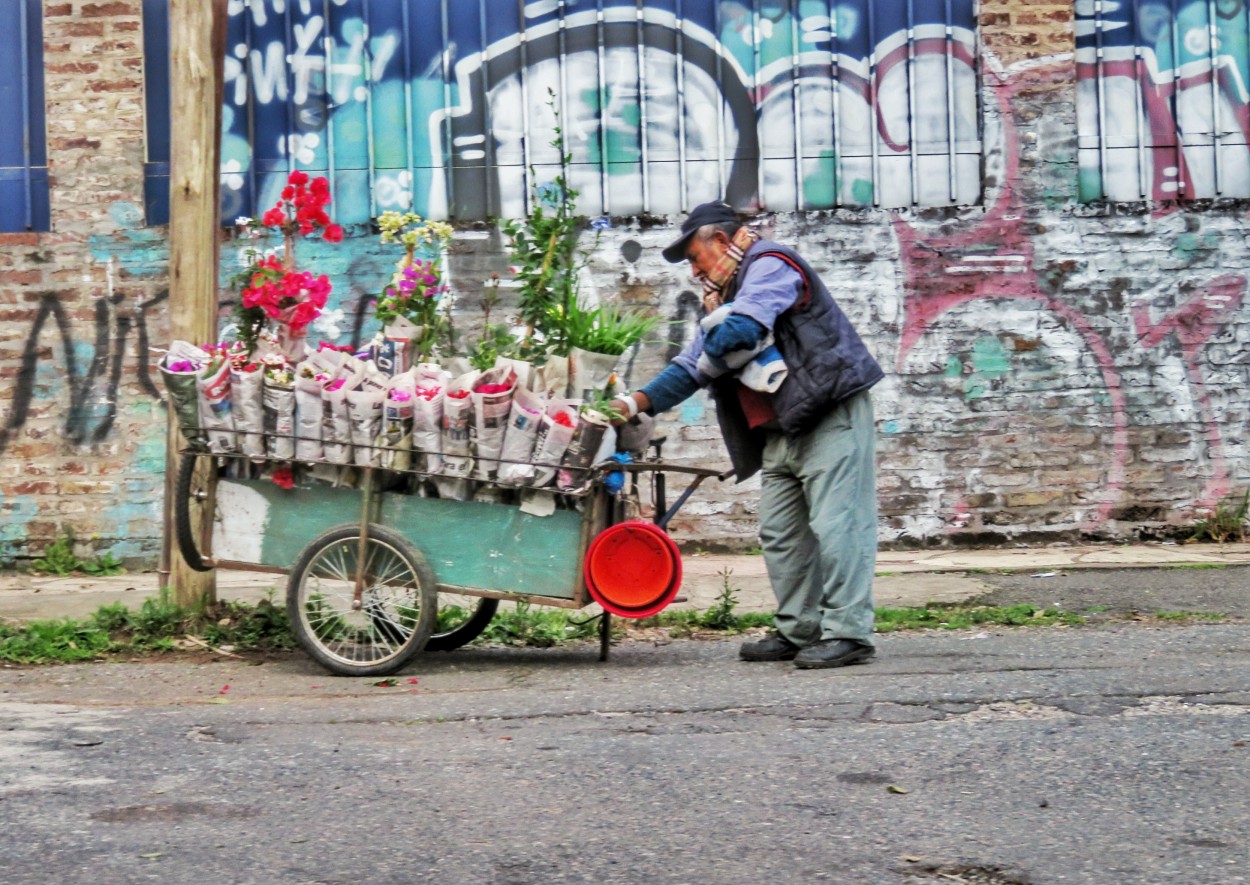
[[601, 223]]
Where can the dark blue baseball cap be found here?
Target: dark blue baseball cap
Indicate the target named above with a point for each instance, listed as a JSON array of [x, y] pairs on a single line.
[[717, 212]]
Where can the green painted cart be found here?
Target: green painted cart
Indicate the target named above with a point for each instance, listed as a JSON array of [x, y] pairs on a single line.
[[379, 574]]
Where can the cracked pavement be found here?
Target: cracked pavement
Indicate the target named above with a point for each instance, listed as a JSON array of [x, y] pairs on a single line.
[[1111, 753]]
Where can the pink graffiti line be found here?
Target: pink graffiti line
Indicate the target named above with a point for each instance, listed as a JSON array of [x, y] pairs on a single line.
[[993, 259], [1193, 323]]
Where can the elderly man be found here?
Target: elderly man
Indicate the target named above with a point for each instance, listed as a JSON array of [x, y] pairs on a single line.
[[790, 378]]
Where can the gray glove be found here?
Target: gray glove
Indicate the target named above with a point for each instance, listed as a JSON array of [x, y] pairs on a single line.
[[634, 435]]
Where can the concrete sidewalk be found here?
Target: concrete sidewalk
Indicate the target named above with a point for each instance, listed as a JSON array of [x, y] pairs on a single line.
[[904, 577]]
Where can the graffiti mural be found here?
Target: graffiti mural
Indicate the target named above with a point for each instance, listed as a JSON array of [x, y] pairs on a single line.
[[451, 108], [1060, 372], [93, 387], [1164, 99]]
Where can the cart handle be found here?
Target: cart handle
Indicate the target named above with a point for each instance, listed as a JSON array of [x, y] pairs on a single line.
[[699, 474], [662, 467]]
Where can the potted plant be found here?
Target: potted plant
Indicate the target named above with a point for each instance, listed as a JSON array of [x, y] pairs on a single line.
[[597, 337]]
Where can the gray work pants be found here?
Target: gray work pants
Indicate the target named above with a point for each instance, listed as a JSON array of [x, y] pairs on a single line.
[[818, 525]]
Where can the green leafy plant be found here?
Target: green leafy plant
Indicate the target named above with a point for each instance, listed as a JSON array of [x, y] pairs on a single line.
[[545, 254], [544, 628], [58, 559], [1228, 522], [721, 615], [606, 407], [607, 329], [958, 617], [153, 627], [102, 566]]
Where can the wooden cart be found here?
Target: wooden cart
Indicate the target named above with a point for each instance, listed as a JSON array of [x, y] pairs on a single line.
[[379, 574]]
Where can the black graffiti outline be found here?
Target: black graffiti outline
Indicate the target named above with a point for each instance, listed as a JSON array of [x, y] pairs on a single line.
[[112, 332]]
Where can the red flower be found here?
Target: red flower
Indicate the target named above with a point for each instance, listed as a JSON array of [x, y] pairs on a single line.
[[275, 217], [298, 178], [283, 478], [333, 233]]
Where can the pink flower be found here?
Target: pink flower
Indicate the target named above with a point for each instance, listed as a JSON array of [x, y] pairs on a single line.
[[333, 234]]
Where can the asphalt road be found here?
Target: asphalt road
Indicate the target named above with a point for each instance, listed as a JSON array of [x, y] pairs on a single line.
[[1107, 754], [1223, 590]]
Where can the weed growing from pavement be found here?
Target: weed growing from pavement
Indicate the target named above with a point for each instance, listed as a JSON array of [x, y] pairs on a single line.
[[1189, 616], [160, 625], [1195, 565], [59, 559], [156, 626], [541, 628], [961, 617], [1230, 521]]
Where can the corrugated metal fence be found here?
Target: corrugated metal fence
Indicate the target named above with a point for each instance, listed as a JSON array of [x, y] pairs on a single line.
[[450, 108], [1163, 101]]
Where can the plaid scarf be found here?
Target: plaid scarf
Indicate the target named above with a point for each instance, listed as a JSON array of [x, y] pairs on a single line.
[[715, 281]]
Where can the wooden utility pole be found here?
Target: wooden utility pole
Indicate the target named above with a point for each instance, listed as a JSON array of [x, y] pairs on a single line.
[[197, 46]]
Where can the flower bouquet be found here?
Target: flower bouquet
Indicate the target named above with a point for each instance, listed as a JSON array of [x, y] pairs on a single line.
[[410, 307], [275, 293]]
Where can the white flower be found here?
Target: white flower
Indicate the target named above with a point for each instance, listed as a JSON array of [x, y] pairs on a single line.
[[327, 325]]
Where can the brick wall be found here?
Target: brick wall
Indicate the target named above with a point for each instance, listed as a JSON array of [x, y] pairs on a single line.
[[1053, 370], [81, 440]]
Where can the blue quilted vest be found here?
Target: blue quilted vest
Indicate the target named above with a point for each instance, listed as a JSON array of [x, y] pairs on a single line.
[[826, 358]]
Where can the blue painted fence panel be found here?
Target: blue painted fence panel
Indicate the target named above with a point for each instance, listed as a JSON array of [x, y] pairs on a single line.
[[23, 149], [448, 107]]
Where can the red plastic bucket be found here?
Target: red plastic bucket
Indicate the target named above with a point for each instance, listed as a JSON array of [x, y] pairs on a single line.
[[633, 569]]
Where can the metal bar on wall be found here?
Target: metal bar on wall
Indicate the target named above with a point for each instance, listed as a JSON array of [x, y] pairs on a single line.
[[1139, 71], [680, 104], [1176, 100], [526, 177], [410, 149], [642, 109], [449, 172], [488, 145], [796, 108], [564, 84], [949, 47], [253, 182], [367, 65], [874, 128], [720, 107], [603, 111], [328, 43], [913, 150], [835, 88], [1217, 127], [755, 82], [290, 89], [27, 183], [1100, 77]]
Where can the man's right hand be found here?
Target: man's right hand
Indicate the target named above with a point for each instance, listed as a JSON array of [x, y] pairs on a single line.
[[629, 405]]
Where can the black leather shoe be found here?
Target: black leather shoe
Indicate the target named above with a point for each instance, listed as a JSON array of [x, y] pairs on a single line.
[[773, 647], [832, 653]]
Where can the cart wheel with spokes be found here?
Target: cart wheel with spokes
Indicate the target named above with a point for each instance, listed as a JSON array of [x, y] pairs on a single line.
[[461, 619], [195, 499], [367, 628]]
